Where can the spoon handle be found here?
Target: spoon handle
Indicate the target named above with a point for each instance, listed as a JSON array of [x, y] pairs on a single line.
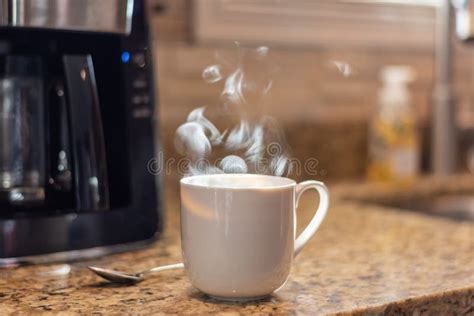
[[163, 268]]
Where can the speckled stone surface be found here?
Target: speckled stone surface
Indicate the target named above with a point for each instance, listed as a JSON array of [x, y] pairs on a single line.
[[364, 260]]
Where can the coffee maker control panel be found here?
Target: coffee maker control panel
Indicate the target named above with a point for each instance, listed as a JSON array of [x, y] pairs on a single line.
[[139, 96]]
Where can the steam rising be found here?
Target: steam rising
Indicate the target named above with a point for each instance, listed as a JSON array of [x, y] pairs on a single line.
[[196, 137], [212, 74], [233, 164], [344, 68], [254, 143], [192, 141], [233, 88]]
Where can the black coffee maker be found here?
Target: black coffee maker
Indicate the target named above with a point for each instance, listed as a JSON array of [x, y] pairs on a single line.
[[76, 130]]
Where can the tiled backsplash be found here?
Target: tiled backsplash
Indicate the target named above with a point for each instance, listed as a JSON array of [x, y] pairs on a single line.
[[323, 112]]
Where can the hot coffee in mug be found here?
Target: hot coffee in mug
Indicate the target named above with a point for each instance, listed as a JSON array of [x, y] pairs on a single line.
[[238, 232]]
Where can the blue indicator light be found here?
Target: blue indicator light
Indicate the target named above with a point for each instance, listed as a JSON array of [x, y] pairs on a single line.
[[125, 57]]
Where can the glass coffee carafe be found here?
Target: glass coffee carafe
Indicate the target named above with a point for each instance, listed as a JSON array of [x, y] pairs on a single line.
[[22, 139]]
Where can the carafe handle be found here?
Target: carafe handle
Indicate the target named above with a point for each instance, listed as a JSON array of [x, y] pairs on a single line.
[[88, 145]]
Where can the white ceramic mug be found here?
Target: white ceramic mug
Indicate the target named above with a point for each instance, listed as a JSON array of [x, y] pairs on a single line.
[[238, 232]]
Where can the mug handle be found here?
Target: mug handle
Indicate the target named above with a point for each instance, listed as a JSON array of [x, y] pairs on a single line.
[[319, 215]]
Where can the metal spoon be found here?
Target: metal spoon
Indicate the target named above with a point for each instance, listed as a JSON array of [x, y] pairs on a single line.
[[126, 278]]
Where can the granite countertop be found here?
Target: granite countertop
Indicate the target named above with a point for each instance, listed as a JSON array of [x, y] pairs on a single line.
[[364, 259]]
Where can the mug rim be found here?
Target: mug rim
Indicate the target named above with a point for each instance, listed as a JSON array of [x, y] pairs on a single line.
[[289, 182]]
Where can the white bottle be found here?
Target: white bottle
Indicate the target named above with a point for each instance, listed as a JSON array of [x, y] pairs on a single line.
[[394, 144]]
